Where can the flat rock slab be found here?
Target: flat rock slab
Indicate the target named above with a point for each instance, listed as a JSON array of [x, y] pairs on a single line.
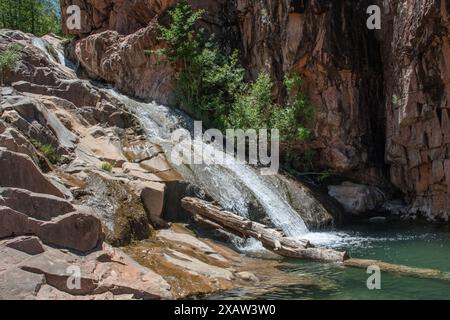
[[28, 245], [197, 267], [19, 171], [107, 274], [191, 241], [16, 284]]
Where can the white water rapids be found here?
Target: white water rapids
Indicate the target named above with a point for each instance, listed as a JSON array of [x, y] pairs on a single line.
[[232, 183]]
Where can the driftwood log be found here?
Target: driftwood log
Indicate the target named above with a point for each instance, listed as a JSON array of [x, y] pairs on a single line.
[[219, 219], [399, 269], [215, 217]]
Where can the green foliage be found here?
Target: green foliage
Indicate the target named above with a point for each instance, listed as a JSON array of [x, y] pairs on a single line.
[[184, 41], [34, 16], [211, 84], [302, 111], [106, 166], [395, 100], [9, 59], [207, 80], [254, 108], [48, 150], [253, 105]]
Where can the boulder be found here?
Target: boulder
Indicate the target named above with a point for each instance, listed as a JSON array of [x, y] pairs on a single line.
[[30, 245], [104, 274], [32, 110], [18, 171], [316, 210], [247, 276], [152, 197], [79, 230], [117, 206], [38, 206], [156, 164], [197, 267], [137, 172], [16, 284], [54, 220], [78, 92], [357, 199], [15, 141], [191, 241]]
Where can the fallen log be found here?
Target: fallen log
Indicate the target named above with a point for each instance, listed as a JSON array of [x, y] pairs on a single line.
[[217, 218], [220, 219], [399, 269]]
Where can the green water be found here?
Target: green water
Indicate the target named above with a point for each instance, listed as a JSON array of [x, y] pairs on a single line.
[[418, 246]]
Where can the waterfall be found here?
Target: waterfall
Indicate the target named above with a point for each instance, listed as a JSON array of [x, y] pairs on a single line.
[[53, 53], [43, 46], [232, 183]]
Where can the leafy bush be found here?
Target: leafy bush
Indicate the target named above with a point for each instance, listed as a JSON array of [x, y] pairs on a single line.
[[207, 80], [9, 59], [48, 151], [211, 84], [254, 108], [106, 166]]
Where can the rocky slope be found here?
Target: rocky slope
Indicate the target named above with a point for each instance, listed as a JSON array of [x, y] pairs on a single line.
[[74, 183], [381, 96]]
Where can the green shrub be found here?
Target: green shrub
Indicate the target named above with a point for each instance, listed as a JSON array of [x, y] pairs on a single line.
[[254, 108], [9, 59], [106, 166], [207, 80], [48, 151], [210, 84], [301, 109]]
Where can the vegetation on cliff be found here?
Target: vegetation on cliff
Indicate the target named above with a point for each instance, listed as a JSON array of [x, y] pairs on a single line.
[[34, 16], [211, 83], [8, 60]]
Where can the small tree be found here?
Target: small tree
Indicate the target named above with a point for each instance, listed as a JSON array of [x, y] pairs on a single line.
[[211, 84], [207, 80], [8, 60]]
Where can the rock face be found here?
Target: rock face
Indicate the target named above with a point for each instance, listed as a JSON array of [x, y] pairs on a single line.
[[53, 220], [381, 97], [108, 274], [357, 199], [18, 170], [121, 16], [117, 38], [416, 56], [315, 213], [339, 60], [70, 182]]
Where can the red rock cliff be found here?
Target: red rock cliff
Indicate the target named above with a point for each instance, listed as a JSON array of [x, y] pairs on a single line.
[[382, 97]]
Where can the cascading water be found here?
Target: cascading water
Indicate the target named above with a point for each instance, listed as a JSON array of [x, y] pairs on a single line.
[[53, 53], [232, 183]]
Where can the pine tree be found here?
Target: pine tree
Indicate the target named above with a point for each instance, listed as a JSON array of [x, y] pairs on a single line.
[[34, 16]]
